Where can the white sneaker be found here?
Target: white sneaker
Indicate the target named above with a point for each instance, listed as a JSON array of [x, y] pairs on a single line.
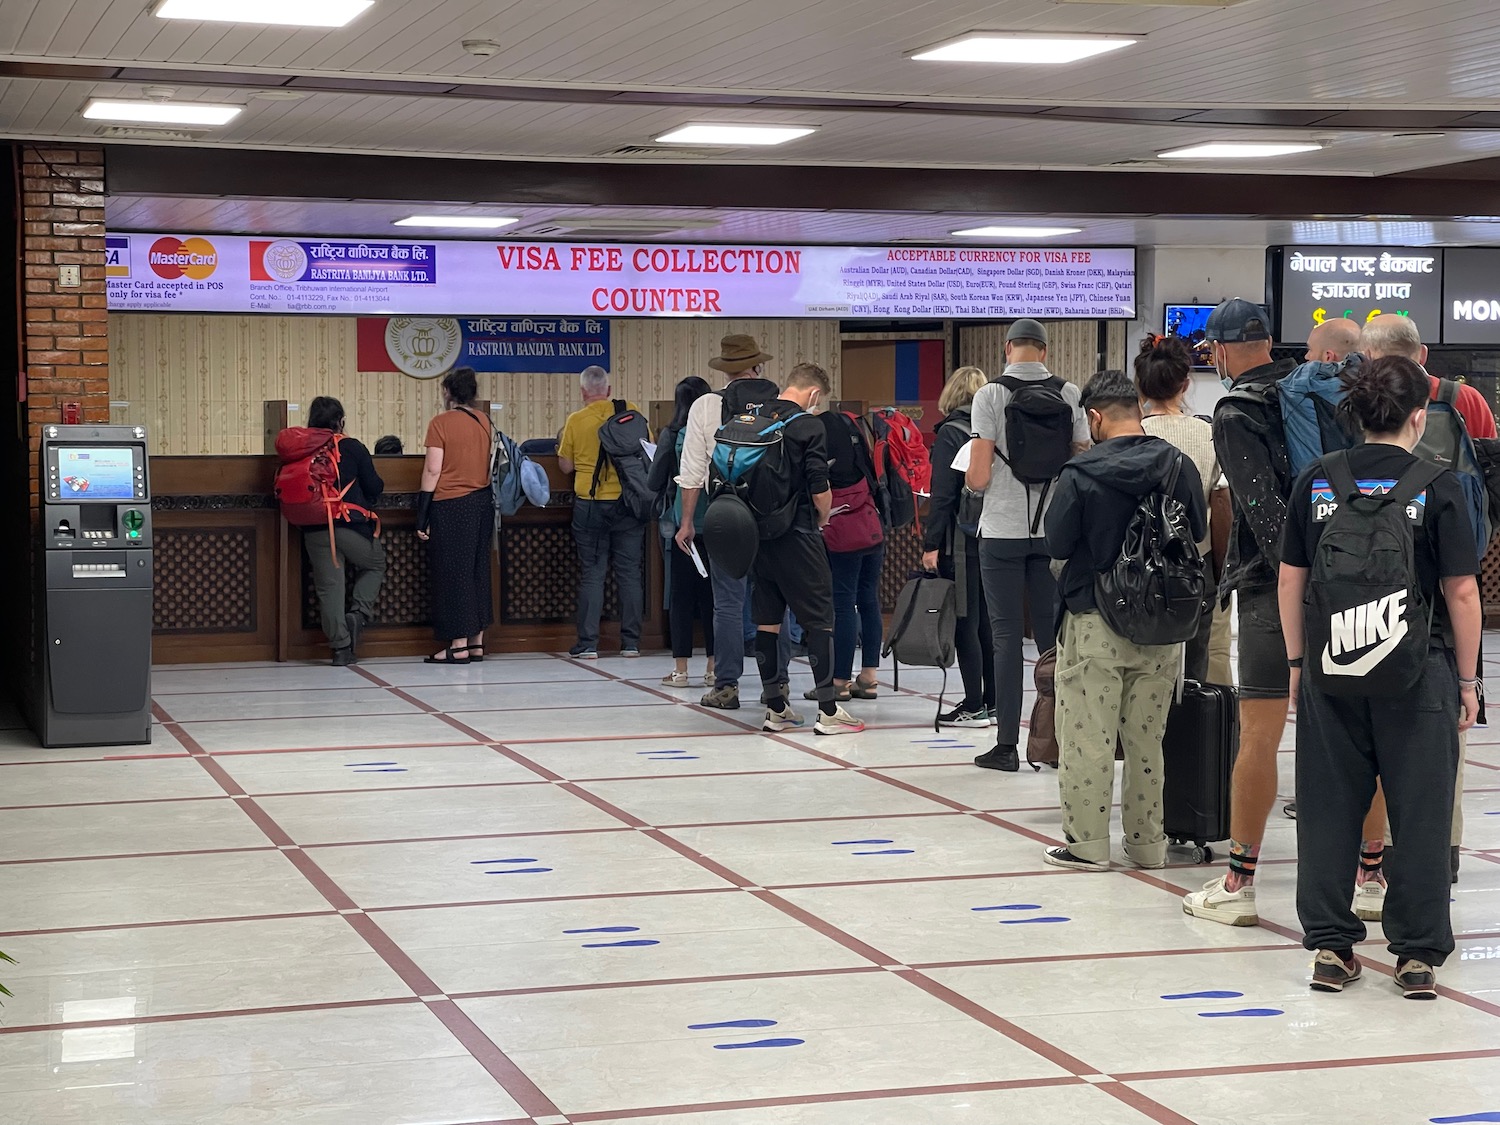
[[675, 679], [840, 722], [708, 678], [1369, 900], [1218, 905], [778, 721]]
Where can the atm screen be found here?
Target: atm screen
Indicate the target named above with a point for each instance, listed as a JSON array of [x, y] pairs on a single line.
[[95, 473]]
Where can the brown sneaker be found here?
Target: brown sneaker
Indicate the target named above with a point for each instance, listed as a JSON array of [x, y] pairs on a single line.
[[1417, 979], [1331, 972]]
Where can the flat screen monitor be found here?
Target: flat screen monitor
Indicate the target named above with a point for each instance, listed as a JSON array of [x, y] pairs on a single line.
[[1316, 283], [1190, 322], [96, 472]]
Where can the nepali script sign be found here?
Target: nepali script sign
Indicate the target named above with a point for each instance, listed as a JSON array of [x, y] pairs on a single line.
[[1321, 283], [374, 277]]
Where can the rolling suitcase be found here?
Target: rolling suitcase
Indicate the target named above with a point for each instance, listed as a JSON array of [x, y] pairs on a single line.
[[1198, 751]]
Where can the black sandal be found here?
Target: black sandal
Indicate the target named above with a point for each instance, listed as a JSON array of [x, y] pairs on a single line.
[[476, 654], [858, 689], [449, 657]]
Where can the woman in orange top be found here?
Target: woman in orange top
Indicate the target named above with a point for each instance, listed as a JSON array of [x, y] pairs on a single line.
[[456, 519]]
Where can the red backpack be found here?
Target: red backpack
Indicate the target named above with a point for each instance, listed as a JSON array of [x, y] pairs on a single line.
[[901, 461], [307, 484]]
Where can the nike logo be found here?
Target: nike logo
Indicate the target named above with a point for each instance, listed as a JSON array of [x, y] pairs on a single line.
[[1377, 626]]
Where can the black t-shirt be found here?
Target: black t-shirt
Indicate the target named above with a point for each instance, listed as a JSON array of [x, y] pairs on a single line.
[[1440, 520], [807, 446]]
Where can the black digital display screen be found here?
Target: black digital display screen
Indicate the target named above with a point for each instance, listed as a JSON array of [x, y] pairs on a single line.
[[1321, 283]]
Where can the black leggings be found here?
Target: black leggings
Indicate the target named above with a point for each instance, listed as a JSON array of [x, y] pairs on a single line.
[[972, 637], [692, 595]]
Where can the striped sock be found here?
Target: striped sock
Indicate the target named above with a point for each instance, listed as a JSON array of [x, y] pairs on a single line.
[[1371, 855]]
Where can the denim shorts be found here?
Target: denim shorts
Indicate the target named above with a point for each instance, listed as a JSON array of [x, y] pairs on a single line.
[[1263, 670]]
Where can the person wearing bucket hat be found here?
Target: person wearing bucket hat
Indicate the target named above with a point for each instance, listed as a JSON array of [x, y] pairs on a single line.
[[1251, 447], [740, 357]]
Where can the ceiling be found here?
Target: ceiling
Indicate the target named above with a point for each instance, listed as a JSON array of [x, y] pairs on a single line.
[[1391, 64]]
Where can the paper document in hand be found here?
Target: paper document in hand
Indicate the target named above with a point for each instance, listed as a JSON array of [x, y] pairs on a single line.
[[697, 558], [961, 458], [649, 447]]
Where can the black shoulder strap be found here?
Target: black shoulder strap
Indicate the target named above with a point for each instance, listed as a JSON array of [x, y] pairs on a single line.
[[620, 405], [1011, 383], [1341, 476], [1414, 482], [1176, 471], [1447, 391]]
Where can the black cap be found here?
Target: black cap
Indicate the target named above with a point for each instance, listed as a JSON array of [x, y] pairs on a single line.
[[1238, 321]]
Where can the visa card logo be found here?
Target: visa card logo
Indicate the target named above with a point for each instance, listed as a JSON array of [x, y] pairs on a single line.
[[117, 255]]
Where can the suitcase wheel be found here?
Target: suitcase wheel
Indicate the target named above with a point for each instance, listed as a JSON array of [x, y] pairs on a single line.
[[1197, 853]]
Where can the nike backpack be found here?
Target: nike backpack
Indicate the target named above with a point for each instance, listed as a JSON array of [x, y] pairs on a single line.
[[622, 447], [1367, 621], [1153, 593]]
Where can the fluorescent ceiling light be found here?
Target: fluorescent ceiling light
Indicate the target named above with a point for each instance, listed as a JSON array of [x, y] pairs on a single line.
[[1236, 150], [735, 134], [1004, 47], [289, 13], [472, 222], [162, 113], [1015, 232]]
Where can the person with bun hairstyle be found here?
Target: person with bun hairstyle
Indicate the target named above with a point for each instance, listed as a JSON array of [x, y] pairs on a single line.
[[1408, 740], [1163, 378], [456, 519]]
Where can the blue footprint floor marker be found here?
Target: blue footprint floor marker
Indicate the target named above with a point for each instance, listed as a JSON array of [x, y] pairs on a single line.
[[1008, 906], [374, 767], [730, 1023], [1030, 921], [606, 930], [635, 943], [1242, 1012], [1209, 995], [490, 862], [759, 1043], [852, 843], [1492, 1115], [667, 755], [509, 870]]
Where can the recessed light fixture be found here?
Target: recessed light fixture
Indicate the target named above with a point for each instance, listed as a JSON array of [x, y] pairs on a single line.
[[1023, 47], [1015, 232], [162, 113], [468, 222], [287, 13], [1237, 150], [735, 134]]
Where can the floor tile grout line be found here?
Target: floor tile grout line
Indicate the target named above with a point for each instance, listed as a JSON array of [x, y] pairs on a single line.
[[1143, 1103], [225, 1013], [838, 1098], [168, 922], [1238, 1069], [484, 1050]]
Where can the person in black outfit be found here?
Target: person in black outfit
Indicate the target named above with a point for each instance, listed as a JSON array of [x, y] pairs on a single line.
[[955, 554], [791, 570], [1410, 743], [692, 594], [354, 541]]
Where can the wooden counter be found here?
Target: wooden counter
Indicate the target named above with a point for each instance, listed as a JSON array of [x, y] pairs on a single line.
[[233, 582]]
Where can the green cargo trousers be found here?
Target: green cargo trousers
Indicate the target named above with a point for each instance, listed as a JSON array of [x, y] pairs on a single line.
[[1108, 687], [366, 557]]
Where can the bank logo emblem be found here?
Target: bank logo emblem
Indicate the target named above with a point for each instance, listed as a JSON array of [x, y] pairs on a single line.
[[423, 347], [285, 260]]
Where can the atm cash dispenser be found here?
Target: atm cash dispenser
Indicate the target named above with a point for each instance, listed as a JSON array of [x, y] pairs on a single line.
[[96, 606]]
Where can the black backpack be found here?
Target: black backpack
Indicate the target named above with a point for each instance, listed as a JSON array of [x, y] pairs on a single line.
[[747, 396], [620, 446], [922, 628], [1154, 593], [1038, 434], [1367, 620]]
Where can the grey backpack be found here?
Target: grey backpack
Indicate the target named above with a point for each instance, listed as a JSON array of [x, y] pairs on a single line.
[[922, 627]]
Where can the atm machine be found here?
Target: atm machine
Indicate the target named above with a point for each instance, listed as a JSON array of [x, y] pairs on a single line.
[[96, 607]]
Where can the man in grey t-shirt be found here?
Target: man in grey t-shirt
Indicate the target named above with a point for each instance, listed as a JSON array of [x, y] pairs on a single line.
[[1013, 559]]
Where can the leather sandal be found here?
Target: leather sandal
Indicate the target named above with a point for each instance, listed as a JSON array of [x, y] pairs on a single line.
[[449, 656], [858, 689]]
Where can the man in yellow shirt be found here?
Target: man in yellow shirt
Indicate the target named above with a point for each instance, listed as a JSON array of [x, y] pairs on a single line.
[[601, 527]]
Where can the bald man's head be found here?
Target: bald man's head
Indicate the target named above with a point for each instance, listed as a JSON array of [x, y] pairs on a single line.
[[1392, 334], [1332, 341]]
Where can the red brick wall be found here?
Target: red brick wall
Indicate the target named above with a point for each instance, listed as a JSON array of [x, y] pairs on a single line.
[[66, 346]]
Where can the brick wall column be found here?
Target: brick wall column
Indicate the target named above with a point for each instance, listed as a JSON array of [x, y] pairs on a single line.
[[66, 345]]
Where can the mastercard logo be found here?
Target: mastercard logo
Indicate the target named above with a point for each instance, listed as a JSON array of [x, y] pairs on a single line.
[[171, 258]]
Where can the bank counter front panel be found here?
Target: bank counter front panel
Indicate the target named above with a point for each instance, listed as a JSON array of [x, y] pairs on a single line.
[[96, 627]]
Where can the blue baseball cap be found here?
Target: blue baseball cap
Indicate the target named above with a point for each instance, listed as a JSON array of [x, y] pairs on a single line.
[[1237, 321]]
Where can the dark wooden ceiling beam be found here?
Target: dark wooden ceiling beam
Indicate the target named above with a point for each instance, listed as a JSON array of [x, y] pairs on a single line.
[[235, 172]]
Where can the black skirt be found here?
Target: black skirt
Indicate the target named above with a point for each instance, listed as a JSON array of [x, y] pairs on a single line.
[[458, 559]]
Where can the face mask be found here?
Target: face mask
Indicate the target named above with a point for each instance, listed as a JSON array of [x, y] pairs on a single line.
[[1221, 368]]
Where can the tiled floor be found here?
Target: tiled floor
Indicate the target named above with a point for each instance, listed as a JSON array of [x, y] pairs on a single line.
[[536, 892]]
